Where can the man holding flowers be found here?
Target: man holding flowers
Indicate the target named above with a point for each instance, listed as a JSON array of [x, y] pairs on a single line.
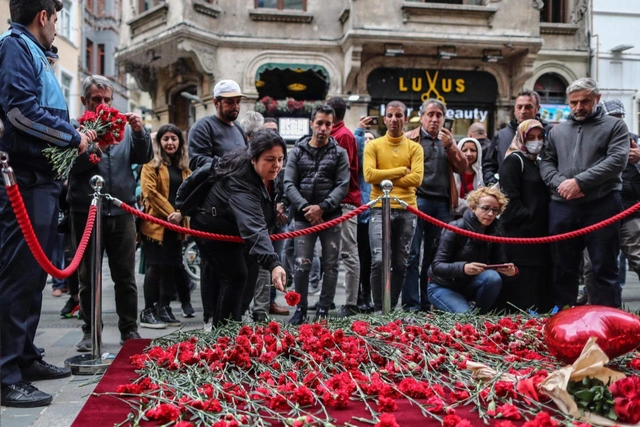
[[112, 160], [29, 85]]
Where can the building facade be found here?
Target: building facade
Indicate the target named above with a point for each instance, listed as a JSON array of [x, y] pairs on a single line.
[[615, 61], [101, 36], [287, 55]]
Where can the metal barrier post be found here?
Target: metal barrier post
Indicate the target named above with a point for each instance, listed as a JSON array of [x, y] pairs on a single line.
[[386, 187], [96, 362]]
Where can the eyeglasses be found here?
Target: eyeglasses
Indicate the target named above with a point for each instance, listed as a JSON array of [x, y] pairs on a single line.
[[487, 209]]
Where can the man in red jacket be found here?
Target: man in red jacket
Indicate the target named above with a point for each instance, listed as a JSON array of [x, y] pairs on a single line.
[[349, 253]]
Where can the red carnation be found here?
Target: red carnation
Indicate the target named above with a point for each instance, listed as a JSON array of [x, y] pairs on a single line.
[[93, 158], [387, 420], [292, 298], [164, 413]]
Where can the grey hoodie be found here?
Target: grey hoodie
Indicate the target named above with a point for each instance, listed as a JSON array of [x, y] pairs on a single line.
[[594, 152]]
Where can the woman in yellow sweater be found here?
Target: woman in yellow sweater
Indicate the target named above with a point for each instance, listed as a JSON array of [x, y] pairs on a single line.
[[162, 248], [400, 160]]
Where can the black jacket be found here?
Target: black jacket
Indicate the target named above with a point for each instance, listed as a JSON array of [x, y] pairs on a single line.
[[317, 176], [454, 251], [115, 167], [527, 214], [240, 205], [500, 143]]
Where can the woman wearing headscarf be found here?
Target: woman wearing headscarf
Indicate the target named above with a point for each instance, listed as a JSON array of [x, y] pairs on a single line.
[[471, 179], [527, 215]]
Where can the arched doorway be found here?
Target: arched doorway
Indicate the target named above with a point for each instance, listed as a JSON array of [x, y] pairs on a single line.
[[182, 112], [551, 88]]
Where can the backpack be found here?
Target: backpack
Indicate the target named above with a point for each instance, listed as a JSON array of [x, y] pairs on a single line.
[[194, 189]]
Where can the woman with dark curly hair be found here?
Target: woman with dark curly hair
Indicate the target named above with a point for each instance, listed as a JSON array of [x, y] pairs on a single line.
[[242, 202]]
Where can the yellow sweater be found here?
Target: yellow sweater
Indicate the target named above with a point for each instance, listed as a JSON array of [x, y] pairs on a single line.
[[389, 158]]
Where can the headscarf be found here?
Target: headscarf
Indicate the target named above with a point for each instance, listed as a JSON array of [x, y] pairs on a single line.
[[520, 139]]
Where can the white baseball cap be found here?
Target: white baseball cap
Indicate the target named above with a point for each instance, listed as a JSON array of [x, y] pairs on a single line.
[[227, 89]]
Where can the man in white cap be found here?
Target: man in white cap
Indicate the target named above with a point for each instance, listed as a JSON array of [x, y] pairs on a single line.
[[209, 138], [214, 136]]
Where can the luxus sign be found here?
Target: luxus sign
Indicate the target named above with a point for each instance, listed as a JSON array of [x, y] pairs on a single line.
[[449, 86]]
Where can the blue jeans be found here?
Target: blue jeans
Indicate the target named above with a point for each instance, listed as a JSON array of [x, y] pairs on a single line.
[[330, 240], [603, 246], [414, 290], [483, 289], [403, 224]]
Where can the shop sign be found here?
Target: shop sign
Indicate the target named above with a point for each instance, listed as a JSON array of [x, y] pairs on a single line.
[[418, 85], [293, 128], [554, 113]]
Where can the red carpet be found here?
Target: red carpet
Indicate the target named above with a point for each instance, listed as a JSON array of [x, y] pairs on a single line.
[[108, 410]]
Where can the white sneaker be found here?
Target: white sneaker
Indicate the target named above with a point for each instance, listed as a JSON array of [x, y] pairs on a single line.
[[208, 326]]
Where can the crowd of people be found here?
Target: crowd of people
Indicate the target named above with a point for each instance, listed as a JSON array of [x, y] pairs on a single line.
[[531, 180]]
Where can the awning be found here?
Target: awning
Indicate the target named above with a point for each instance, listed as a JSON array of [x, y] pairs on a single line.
[[293, 67], [302, 82]]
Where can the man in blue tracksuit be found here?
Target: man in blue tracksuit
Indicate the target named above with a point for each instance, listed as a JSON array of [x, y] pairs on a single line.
[[28, 83]]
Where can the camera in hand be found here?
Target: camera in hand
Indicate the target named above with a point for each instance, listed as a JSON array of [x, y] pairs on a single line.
[[374, 121]]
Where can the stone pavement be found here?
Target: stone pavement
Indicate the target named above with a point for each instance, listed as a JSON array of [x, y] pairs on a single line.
[[58, 336]]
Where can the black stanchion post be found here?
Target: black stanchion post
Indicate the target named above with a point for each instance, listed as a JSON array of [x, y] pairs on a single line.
[[96, 362], [386, 187]]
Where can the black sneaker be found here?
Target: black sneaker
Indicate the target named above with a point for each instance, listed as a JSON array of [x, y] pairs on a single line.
[[187, 310], [41, 370], [259, 316], [347, 310], [165, 315], [70, 309], [24, 395], [299, 317], [148, 320], [84, 345], [321, 314], [133, 335]]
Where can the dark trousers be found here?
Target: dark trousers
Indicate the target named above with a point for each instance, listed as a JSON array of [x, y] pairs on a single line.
[[226, 284], [364, 250], [21, 278], [161, 281], [414, 289], [603, 247], [119, 242]]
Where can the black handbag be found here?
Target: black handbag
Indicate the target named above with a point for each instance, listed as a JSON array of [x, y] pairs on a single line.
[[194, 189]]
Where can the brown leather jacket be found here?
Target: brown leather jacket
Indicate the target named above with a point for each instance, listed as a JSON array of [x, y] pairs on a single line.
[[457, 163]]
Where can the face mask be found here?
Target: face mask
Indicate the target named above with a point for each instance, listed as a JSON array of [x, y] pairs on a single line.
[[534, 147]]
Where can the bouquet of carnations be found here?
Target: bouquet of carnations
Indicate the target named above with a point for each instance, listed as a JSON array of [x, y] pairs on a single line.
[[107, 122]]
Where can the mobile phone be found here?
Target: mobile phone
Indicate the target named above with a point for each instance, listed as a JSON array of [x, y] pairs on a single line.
[[448, 124], [374, 120], [495, 266]]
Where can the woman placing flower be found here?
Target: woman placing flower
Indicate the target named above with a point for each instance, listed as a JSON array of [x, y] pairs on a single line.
[[242, 202], [162, 248], [526, 216], [471, 179], [464, 269]]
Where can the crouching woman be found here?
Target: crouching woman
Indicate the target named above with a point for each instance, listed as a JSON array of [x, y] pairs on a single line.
[[463, 269], [242, 202]]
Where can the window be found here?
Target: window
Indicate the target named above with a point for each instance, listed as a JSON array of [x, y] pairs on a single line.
[[65, 82], [282, 4], [64, 23], [89, 5], [145, 5], [88, 57], [100, 7], [554, 11], [101, 60]]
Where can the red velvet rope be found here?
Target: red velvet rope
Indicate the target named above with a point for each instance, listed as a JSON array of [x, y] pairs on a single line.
[[238, 239], [522, 240], [32, 241]]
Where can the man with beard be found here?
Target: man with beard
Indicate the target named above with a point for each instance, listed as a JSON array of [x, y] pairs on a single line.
[[582, 164], [527, 107], [210, 138]]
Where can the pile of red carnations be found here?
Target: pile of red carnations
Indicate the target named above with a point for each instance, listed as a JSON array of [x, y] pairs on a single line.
[[261, 375]]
